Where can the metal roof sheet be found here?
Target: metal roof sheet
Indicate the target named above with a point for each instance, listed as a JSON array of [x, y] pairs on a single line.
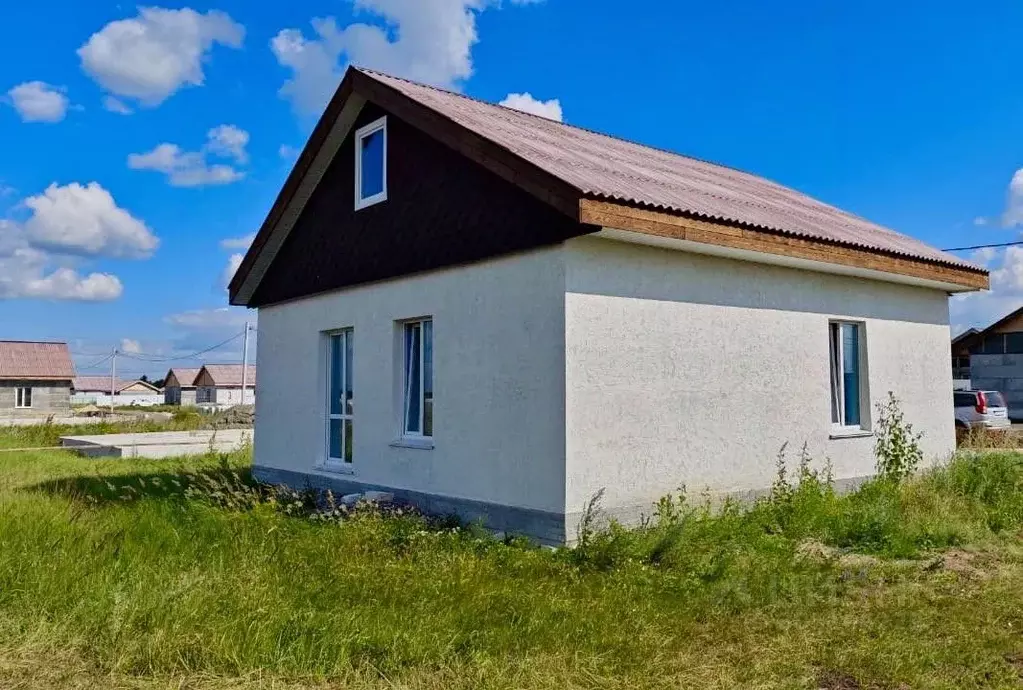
[[605, 167], [230, 374], [32, 360]]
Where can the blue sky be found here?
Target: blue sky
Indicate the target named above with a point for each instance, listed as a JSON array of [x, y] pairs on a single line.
[[909, 114]]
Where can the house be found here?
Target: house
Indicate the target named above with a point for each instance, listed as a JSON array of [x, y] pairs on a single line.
[[222, 384], [961, 360], [179, 386], [35, 379], [532, 313], [993, 359], [97, 390]]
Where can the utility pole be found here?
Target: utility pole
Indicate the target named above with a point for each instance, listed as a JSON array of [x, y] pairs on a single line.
[[113, 378], [245, 362]]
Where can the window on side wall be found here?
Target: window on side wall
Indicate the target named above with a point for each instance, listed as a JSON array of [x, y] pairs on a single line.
[[340, 398], [23, 397], [849, 400], [371, 164], [417, 379]]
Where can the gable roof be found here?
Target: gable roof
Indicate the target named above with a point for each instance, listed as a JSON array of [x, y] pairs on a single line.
[[101, 384], [184, 376], [972, 336], [32, 360], [575, 170], [228, 374]]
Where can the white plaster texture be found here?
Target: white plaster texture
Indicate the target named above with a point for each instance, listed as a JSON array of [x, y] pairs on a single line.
[[686, 369], [499, 372]]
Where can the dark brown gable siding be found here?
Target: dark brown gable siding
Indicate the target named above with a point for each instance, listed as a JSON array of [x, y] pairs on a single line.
[[442, 209]]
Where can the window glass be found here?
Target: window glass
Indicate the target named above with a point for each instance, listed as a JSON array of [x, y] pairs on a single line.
[[372, 164], [994, 344], [851, 373], [428, 378], [413, 380], [964, 399], [994, 399], [340, 393], [836, 386], [336, 371], [1014, 343]]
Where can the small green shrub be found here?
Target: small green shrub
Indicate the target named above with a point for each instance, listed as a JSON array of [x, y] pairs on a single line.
[[897, 448]]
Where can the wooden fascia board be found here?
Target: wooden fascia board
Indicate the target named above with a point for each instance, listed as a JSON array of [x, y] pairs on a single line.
[[291, 187], [660, 224]]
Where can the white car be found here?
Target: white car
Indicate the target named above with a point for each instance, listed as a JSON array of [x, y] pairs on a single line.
[[981, 410]]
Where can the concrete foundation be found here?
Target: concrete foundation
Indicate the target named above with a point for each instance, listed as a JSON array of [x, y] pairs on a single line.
[[164, 444]]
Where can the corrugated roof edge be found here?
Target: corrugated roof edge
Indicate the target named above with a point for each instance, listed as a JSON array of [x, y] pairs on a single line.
[[686, 213], [732, 222]]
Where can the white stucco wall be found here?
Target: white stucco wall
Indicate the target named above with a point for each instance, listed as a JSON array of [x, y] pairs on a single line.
[[690, 369], [225, 396], [499, 374]]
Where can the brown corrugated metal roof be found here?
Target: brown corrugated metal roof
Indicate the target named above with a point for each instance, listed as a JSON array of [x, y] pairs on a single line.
[[230, 374], [30, 360], [95, 384], [185, 377], [604, 167]]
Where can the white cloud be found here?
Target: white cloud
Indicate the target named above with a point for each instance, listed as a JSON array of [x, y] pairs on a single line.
[[217, 320], [151, 56], [1014, 201], [37, 101], [287, 152], [228, 141], [131, 347], [526, 103], [980, 309], [425, 40], [116, 105], [192, 168], [28, 272], [85, 220], [233, 262], [984, 256], [980, 221], [237, 242]]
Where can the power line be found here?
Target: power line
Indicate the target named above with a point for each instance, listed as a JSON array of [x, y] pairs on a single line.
[[95, 365], [983, 246], [143, 357]]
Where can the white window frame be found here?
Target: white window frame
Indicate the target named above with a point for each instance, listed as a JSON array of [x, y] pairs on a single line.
[[19, 397], [339, 464], [420, 436], [837, 380], [363, 132]]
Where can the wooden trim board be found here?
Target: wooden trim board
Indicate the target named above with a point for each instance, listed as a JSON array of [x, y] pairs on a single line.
[[660, 224]]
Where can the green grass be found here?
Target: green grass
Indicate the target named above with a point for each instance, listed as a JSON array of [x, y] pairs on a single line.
[[48, 435], [115, 574]]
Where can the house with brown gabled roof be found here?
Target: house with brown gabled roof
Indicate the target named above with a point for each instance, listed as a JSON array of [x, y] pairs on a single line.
[[179, 386], [991, 359], [225, 385], [35, 379], [533, 314]]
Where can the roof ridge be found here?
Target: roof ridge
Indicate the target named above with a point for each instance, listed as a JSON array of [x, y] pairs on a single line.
[[569, 125], [605, 135]]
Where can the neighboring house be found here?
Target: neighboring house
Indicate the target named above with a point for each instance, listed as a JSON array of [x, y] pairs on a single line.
[[533, 313], [994, 359], [97, 390], [179, 386], [961, 360], [35, 379], [221, 385]]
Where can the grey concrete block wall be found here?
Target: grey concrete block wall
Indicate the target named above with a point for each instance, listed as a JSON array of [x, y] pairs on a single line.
[[1002, 373], [48, 397]]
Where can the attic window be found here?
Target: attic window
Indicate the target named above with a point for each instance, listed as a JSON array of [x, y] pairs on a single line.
[[371, 164]]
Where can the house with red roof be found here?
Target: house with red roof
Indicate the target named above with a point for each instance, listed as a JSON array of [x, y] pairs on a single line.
[[534, 314], [35, 379]]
